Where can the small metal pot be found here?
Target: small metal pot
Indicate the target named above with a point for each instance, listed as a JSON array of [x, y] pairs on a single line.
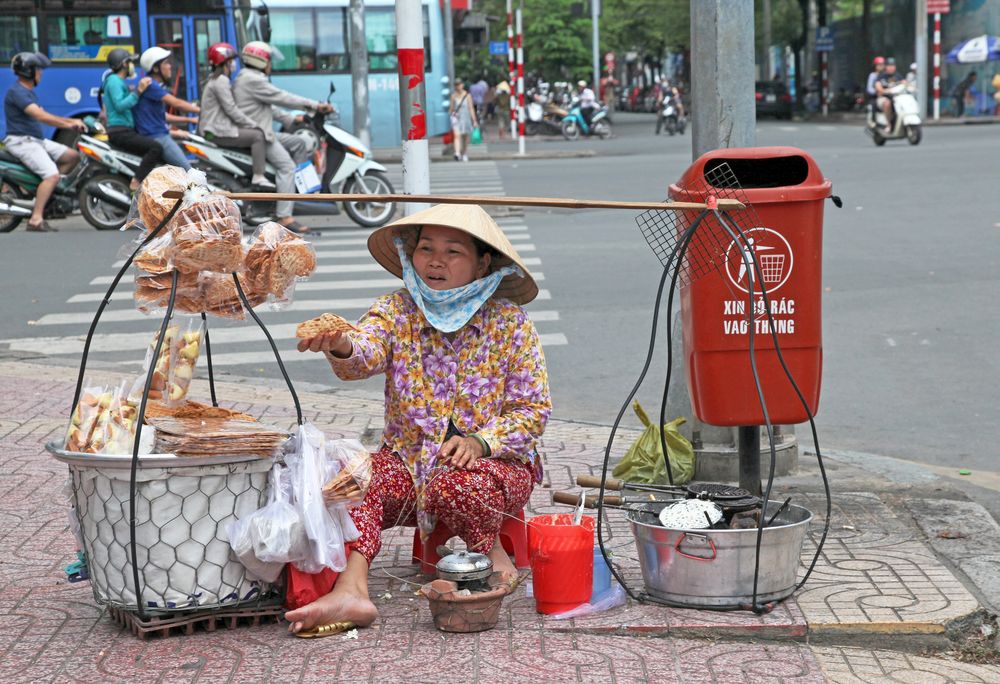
[[465, 568]]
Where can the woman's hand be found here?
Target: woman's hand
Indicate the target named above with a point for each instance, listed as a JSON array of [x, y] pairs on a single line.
[[463, 452], [336, 343]]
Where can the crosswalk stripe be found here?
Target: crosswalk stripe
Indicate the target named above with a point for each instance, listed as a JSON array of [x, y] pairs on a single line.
[[126, 315], [125, 342]]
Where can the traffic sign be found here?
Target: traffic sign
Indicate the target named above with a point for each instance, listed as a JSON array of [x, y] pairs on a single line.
[[498, 47], [824, 39], [938, 6]]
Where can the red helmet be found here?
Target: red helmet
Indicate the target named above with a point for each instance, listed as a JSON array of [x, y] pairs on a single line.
[[879, 60], [220, 53]]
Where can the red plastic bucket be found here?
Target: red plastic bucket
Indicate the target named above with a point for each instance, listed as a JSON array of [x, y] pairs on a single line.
[[562, 561]]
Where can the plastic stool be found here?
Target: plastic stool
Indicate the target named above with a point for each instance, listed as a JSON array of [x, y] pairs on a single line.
[[513, 536]]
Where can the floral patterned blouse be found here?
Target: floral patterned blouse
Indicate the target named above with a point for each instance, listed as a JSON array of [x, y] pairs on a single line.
[[490, 380]]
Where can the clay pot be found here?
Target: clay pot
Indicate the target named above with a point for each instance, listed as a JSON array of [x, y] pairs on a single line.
[[457, 611]]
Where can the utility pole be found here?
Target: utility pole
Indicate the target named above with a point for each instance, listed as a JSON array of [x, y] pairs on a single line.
[[412, 102], [920, 47], [723, 115], [359, 73], [449, 44], [768, 69], [595, 39], [520, 81]]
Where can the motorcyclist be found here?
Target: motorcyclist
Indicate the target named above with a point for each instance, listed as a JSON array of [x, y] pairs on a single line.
[[25, 138], [886, 80], [588, 101], [118, 101], [878, 65], [151, 117], [260, 99], [667, 91], [222, 122]]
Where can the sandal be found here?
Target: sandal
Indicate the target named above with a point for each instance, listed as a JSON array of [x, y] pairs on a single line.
[[42, 227], [326, 630], [297, 227]]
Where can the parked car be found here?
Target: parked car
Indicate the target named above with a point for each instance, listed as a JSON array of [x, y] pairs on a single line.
[[773, 99]]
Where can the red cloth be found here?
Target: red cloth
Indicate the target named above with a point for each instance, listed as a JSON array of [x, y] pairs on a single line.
[[305, 587]]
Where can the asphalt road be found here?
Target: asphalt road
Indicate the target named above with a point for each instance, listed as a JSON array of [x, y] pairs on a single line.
[[910, 281]]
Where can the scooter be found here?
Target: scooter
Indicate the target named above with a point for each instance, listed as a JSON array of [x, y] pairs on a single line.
[[906, 123], [348, 168], [103, 197], [574, 124], [543, 119], [669, 118]]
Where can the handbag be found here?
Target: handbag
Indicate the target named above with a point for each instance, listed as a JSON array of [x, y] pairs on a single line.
[[477, 136]]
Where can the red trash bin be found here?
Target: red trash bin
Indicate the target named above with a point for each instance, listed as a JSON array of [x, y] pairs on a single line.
[[786, 189]]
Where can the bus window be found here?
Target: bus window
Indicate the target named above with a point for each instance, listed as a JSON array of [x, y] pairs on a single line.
[[207, 32], [331, 25], [17, 34], [292, 32], [83, 38], [380, 33]]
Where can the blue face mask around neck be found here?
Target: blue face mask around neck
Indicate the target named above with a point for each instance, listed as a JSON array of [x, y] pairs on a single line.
[[450, 310]]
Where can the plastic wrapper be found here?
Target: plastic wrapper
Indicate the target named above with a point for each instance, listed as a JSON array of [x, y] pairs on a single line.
[[272, 536], [208, 233], [643, 462], [174, 367], [350, 484], [275, 259], [219, 296], [154, 258], [150, 206], [612, 598], [103, 422]]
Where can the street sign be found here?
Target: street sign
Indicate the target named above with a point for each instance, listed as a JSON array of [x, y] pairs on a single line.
[[824, 39], [498, 47], [938, 6]]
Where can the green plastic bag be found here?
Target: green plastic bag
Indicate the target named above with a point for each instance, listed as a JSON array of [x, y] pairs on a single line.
[[643, 461], [477, 136]]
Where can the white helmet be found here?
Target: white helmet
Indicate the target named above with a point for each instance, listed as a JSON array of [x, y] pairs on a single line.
[[256, 54], [152, 57]]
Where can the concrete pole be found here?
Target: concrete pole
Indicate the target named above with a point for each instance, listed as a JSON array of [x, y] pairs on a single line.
[[768, 68], [722, 77], [449, 44], [513, 76], [520, 83], [937, 66], [412, 102], [920, 45], [359, 73], [595, 39]]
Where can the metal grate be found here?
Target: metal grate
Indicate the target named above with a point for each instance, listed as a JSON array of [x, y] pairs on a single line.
[[708, 249]]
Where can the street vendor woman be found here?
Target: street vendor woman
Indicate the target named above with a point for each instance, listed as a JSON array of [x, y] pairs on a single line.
[[466, 393]]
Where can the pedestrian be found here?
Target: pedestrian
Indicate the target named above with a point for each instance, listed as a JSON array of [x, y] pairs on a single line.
[[961, 91], [501, 105], [466, 394], [118, 103], [25, 138], [463, 119], [478, 93], [151, 118]]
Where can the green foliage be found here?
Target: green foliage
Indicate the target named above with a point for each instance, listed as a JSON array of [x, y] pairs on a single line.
[[786, 22], [645, 26]]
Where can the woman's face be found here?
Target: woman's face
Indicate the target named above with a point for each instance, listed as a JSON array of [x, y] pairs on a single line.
[[446, 258]]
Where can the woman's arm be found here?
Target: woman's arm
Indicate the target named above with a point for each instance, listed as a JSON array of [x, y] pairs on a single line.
[[370, 351], [526, 404]]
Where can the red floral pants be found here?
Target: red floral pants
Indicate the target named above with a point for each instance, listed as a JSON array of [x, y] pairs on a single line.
[[469, 502]]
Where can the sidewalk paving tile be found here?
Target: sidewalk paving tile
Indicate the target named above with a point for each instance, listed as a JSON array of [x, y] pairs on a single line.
[[851, 665]]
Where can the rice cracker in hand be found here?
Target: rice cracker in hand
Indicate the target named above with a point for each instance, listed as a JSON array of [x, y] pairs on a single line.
[[327, 323]]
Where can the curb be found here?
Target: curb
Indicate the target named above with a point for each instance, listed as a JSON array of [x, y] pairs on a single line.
[[392, 158]]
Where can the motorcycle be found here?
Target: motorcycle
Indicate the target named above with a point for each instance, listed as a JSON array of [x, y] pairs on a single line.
[[574, 124], [348, 168], [906, 123], [544, 118], [98, 185], [669, 117]]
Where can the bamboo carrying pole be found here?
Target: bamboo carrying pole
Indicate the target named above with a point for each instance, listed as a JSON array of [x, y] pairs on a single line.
[[559, 202]]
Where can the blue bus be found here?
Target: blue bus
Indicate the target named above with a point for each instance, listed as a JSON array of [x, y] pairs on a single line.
[[313, 39], [311, 35]]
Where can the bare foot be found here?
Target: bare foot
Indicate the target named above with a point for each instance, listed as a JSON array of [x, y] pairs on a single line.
[[340, 605], [501, 561]]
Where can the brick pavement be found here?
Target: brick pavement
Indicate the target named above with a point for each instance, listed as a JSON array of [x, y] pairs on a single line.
[[876, 575]]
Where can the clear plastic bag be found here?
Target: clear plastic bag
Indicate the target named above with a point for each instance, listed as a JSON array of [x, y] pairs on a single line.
[[271, 536], [175, 365], [353, 472], [612, 598], [150, 206], [208, 234], [93, 400], [103, 421], [275, 259]]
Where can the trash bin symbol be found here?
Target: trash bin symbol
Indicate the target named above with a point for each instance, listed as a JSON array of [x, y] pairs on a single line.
[[773, 252]]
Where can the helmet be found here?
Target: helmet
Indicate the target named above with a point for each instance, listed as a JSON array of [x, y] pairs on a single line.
[[879, 60], [890, 61], [913, 66], [582, 84], [152, 57], [25, 63], [220, 53], [119, 57], [256, 54]]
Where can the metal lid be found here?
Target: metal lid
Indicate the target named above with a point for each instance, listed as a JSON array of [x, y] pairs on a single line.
[[463, 566]]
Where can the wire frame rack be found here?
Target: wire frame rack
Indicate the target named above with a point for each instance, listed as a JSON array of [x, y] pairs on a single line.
[[708, 248]]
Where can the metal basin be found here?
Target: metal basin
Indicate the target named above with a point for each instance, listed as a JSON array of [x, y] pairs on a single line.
[[714, 568]]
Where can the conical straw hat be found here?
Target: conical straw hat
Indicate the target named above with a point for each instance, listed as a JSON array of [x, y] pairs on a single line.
[[469, 218]]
